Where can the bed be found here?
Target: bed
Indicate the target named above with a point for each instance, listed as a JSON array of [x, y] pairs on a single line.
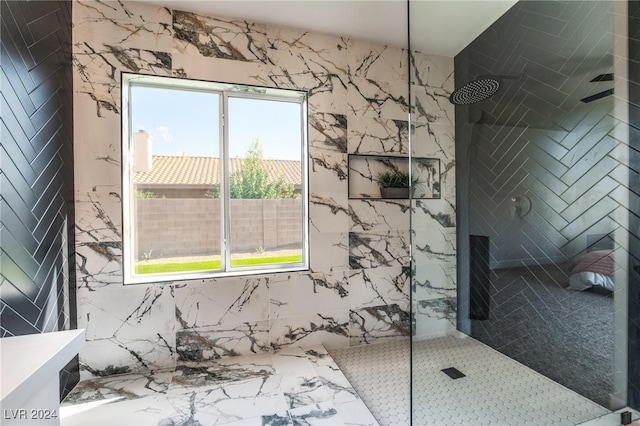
[[595, 268]]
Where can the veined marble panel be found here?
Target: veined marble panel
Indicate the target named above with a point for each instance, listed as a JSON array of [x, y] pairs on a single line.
[[328, 172], [210, 343], [327, 91], [335, 383], [126, 24], [185, 65], [143, 411], [377, 62], [434, 318], [425, 173], [433, 140], [121, 386], [290, 359], [230, 369], [106, 357], [93, 125], [379, 286], [224, 403], [428, 214], [323, 413], [329, 213], [295, 49], [330, 329], [304, 293], [318, 356], [278, 419], [302, 388], [222, 301], [98, 240], [372, 98], [378, 323], [214, 37], [97, 68], [377, 135], [433, 71], [448, 179], [130, 312], [98, 264], [378, 215], [434, 281], [434, 245], [373, 250], [328, 132], [98, 217], [329, 252], [432, 106], [97, 166]]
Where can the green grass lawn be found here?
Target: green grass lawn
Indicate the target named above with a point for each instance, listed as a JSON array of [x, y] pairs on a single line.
[[212, 265]]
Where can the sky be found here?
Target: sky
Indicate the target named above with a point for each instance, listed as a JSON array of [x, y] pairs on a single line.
[[188, 121]]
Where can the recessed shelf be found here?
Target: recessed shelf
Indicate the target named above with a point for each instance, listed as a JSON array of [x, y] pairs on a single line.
[[364, 171]]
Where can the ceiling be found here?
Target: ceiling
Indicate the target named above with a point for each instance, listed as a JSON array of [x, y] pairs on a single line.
[[437, 26]]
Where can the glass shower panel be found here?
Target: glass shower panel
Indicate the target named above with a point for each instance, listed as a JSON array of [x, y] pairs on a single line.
[[524, 252]]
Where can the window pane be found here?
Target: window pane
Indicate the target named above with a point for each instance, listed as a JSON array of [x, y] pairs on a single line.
[[176, 160], [265, 178]]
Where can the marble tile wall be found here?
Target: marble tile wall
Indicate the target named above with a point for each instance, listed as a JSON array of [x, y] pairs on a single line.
[[357, 290], [433, 223]]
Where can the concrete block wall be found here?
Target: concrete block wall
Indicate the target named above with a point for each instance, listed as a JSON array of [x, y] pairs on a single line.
[[168, 227]]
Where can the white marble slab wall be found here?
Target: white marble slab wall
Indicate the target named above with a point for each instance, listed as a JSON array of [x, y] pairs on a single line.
[[357, 290], [434, 220]]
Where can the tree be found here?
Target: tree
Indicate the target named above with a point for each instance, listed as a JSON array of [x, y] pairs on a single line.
[[253, 180]]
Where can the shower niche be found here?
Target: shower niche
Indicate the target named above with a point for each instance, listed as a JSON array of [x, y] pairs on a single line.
[[365, 175]]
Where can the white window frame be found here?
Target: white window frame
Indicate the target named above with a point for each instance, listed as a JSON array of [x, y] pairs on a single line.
[[225, 91]]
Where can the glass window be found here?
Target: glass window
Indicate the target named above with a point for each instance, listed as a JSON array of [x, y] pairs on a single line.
[[214, 179]]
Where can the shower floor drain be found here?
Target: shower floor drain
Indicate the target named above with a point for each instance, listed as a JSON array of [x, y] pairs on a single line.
[[454, 373]]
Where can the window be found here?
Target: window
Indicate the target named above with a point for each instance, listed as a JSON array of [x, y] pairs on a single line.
[[214, 179]]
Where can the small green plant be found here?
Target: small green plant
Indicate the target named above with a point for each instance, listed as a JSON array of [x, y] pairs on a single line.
[[145, 194], [147, 255], [394, 179], [212, 193]]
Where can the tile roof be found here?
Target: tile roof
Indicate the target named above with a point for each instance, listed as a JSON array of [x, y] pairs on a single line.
[[184, 170]]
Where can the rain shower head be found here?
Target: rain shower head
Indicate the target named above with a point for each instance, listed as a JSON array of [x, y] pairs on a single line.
[[475, 91]]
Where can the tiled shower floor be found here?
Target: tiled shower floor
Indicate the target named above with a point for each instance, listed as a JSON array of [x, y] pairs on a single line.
[[495, 391], [304, 386], [294, 386]]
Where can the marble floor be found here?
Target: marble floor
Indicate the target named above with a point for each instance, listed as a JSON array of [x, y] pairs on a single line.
[[496, 390], [294, 386]]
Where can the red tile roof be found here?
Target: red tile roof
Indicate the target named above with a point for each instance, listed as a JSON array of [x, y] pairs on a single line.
[[184, 170]]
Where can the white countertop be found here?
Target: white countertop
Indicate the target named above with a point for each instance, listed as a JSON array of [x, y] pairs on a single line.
[[28, 361]]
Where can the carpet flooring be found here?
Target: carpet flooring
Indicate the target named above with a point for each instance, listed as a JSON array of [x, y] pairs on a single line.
[[563, 334]]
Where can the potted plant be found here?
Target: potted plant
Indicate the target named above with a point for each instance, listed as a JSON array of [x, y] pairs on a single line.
[[394, 184]]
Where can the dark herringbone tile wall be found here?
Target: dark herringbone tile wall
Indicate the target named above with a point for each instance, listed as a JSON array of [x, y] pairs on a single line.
[[36, 205], [546, 177], [633, 350]]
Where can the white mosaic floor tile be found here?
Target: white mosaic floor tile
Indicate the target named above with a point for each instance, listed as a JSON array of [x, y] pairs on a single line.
[[495, 391]]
